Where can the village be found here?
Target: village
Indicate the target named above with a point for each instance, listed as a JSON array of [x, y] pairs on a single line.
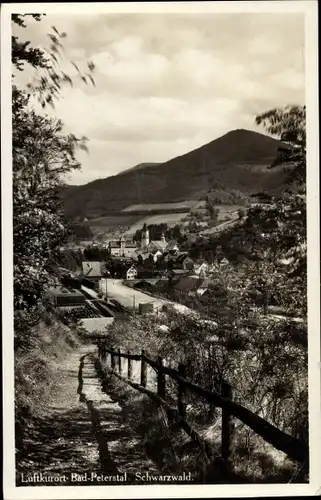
[[153, 264], [144, 270]]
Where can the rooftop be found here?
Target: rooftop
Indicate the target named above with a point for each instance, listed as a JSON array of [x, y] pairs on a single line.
[[122, 261], [91, 269], [60, 291], [117, 244], [190, 284], [179, 258]]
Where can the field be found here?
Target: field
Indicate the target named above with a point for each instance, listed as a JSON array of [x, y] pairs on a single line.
[[104, 226], [149, 207], [129, 220], [169, 219], [133, 221], [227, 211], [111, 226], [111, 221]]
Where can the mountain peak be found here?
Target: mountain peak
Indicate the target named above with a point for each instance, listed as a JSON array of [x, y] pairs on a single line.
[[248, 133], [236, 161]]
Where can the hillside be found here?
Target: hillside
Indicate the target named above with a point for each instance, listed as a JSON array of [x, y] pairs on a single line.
[[138, 167], [236, 161]]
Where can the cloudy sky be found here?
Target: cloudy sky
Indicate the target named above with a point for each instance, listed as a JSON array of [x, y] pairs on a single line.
[[169, 83]]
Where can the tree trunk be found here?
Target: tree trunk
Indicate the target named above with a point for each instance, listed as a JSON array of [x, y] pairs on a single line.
[[266, 300]]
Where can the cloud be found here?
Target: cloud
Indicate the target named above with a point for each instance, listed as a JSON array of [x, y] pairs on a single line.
[[139, 68], [263, 46], [123, 119], [166, 84]]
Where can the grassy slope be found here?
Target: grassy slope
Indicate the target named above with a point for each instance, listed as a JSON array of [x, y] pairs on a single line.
[[35, 369]]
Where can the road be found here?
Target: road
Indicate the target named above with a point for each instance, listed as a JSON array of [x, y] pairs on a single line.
[[130, 298], [220, 227]]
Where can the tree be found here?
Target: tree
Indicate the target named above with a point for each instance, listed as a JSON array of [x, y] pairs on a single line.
[[241, 213], [289, 125], [283, 223], [269, 256], [271, 241], [50, 78], [21, 53], [42, 155], [138, 235]]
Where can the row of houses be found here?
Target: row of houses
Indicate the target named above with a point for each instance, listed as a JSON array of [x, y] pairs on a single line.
[[182, 285], [125, 268]]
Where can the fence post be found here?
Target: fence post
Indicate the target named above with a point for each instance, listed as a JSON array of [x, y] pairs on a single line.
[[112, 358], [129, 369], [181, 391], [161, 387], [119, 362], [227, 424], [143, 370]]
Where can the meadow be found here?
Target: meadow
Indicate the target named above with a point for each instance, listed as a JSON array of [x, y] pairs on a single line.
[[149, 207]]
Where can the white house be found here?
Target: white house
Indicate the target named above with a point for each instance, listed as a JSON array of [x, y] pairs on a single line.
[[131, 273], [201, 270]]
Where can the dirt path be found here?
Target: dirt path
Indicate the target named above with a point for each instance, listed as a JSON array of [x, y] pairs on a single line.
[[84, 432]]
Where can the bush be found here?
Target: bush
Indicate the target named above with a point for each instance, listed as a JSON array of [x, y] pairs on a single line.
[[39, 342], [264, 361]]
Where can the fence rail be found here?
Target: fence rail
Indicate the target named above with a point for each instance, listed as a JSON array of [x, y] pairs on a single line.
[[293, 447]]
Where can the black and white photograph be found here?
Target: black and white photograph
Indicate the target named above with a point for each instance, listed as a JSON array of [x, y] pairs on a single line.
[[161, 253]]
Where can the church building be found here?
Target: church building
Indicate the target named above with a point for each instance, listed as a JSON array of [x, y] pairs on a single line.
[[156, 248], [121, 248]]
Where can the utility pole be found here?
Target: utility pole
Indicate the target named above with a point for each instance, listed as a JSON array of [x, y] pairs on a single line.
[[107, 274], [134, 304]]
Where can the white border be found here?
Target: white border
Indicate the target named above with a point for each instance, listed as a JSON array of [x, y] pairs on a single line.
[[313, 228]]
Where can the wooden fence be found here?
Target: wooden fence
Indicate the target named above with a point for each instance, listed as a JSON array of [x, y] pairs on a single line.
[[293, 447]]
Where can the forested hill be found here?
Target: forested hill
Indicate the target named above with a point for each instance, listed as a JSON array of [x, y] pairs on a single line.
[[236, 161], [138, 167]]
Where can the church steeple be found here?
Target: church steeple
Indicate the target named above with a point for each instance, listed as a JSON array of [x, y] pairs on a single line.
[[145, 236], [122, 245]]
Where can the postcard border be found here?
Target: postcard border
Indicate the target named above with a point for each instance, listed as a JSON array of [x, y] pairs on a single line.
[[309, 8]]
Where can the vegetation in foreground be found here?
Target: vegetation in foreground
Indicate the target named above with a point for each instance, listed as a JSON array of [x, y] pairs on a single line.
[[265, 361], [42, 155], [174, 452]]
